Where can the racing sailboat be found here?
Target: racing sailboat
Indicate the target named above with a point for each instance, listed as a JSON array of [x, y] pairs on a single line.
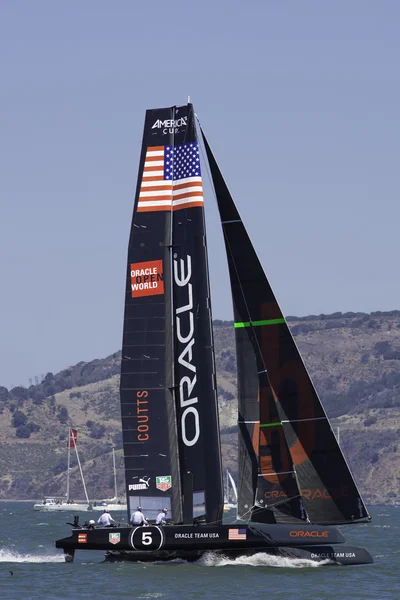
[[294, 484]]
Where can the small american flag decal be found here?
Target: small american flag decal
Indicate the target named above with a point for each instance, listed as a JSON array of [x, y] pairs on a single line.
[[237, 534]]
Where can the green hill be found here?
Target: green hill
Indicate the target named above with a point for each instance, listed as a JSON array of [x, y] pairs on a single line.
[[353, 358]]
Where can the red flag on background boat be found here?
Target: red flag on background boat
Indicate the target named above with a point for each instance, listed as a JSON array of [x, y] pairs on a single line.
[[72, 438]]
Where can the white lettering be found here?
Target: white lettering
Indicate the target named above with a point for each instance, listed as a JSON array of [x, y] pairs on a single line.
[[187, 351], [144, 286], [170, 123], [181, 338], [183, 280], [182, 276], [137, 486], [190, 386], [138, 272], [194, 412]]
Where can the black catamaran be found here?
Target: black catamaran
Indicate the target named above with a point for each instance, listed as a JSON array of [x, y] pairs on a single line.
[[294, 483]]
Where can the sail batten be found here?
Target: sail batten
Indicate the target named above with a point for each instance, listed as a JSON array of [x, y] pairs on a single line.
[[259, 323]]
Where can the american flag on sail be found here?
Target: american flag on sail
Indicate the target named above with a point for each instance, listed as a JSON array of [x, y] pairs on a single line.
[[171, 178], [237, 534]]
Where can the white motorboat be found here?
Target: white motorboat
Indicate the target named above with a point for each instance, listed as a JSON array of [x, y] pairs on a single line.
[[61, 504]]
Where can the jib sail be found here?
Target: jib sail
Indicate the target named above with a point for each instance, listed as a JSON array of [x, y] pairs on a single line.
[[293, 468], [168, 391]]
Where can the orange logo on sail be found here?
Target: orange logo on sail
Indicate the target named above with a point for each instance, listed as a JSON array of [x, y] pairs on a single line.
[[142, 419], [275, 494], [147, 278], [316, 493]]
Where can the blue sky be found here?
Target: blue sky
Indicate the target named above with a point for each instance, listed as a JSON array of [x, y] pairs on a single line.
[[300, 102]]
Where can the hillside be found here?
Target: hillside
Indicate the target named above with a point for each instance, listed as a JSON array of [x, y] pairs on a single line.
[[353, 358]]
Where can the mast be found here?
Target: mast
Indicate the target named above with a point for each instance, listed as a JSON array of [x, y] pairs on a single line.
[[293, 468], [115, 474], [195, 372], [81, 472], [69, 462]]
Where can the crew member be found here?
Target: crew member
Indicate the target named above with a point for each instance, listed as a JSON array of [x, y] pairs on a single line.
[[138, 517], [162, 517], [106, 519]]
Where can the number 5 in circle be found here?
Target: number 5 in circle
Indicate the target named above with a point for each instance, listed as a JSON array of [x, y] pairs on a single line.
[[146, 538]]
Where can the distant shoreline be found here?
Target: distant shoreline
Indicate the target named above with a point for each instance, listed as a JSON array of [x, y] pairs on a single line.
[[397, 504], [36, 501]]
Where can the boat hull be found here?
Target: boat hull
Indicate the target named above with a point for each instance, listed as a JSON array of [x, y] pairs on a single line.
[[111, 507], [62, 507], [190, 542]]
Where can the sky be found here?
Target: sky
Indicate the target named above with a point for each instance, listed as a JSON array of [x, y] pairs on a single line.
[[299, 101]]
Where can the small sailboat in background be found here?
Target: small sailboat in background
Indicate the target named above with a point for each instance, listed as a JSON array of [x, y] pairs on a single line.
[[230, 500], [114, 503], [55, 503]]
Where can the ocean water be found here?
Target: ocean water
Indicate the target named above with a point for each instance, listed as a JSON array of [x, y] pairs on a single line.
[[32, 568]]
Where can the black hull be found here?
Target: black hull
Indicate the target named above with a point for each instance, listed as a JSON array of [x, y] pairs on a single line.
[[190, 542]]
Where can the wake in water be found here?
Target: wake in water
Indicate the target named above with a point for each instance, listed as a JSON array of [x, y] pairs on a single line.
[[12, 556], [261, 559]]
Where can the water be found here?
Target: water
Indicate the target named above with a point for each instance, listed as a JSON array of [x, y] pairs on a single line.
[[39, 571]]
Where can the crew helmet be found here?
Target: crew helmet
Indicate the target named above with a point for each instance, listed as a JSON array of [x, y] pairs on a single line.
[[165, 510]]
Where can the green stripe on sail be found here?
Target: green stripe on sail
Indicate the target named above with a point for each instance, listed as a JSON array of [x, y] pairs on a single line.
[[270, 424], [259, 323]]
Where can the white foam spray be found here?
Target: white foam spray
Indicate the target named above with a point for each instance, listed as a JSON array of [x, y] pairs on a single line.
[[13, 556], [260, 559]]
